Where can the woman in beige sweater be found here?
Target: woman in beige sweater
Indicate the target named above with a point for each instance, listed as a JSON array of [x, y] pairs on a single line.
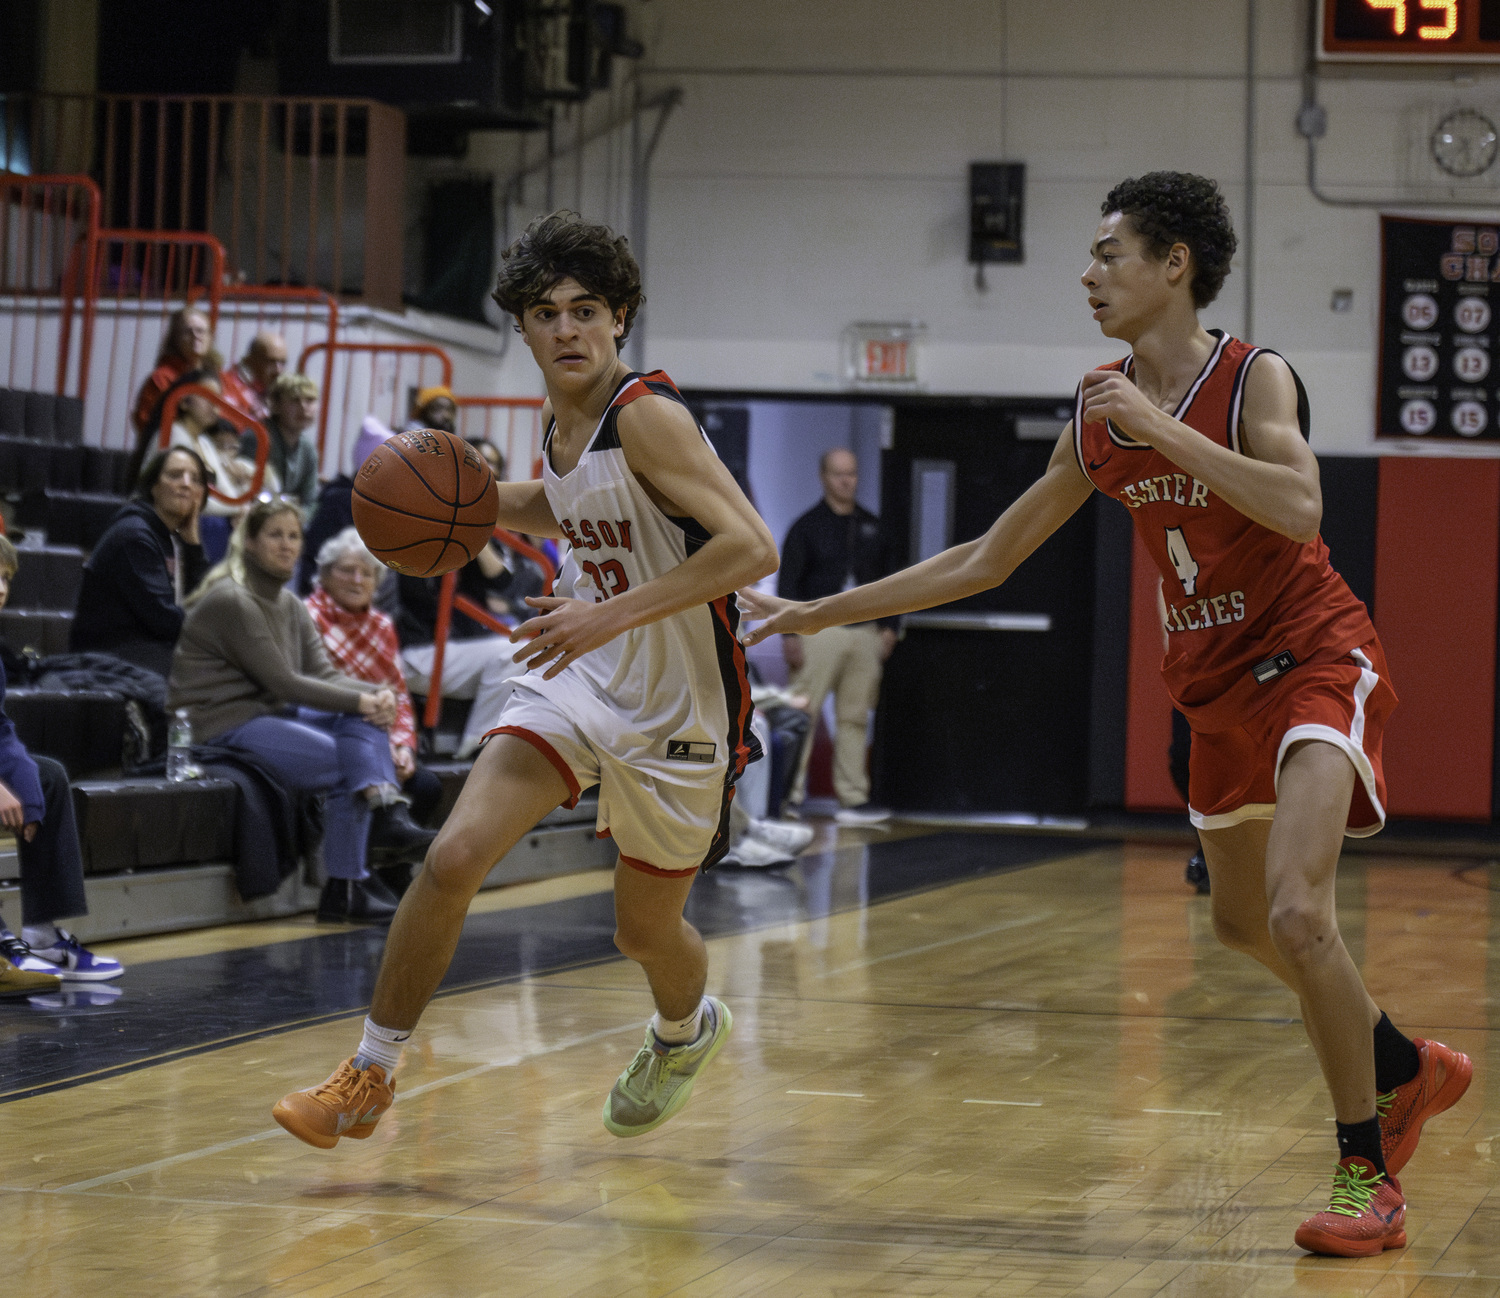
[[251, 671]]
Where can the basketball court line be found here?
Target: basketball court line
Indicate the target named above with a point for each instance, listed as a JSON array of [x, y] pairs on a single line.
[[510, 1061]]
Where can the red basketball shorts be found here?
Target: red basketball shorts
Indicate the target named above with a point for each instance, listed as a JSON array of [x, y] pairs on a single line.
[[1233, 774]]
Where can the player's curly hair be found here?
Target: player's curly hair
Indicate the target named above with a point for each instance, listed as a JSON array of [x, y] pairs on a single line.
[[562, 245], [1167, 207]]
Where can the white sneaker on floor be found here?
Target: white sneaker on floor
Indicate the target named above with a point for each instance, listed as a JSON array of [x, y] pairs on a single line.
[[753, 854], [865, 814], [786, 838]]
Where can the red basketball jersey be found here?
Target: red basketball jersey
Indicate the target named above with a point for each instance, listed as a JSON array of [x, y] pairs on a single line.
[[1239, 596]]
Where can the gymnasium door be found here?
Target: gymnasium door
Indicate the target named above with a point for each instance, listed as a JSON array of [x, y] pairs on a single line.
[[985, 703]]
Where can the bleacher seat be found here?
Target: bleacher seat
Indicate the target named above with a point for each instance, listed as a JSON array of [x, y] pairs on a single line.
[[82, 729], [30, 465], [48, 579], [106, 472], [130, 824], [12, 412], [76, 517]]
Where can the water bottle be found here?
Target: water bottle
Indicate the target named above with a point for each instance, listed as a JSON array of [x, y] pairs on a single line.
[[180, 746]]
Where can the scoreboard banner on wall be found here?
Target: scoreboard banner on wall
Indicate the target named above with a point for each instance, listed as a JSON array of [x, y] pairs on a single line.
[[1439, 329], [1464, 31]]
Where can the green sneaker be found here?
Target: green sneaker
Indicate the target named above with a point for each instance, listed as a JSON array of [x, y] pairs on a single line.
[[660, 1078]]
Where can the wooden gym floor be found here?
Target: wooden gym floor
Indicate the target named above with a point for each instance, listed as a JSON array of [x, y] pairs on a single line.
[[961, 1064]]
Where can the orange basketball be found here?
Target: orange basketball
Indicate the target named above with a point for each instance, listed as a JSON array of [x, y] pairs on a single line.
[[425, 502]]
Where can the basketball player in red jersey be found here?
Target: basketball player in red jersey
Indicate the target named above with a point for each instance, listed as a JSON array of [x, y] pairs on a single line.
[[1270, 656], [636, 684]]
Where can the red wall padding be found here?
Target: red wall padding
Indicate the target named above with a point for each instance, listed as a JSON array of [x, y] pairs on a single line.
[[1437, 542], [1148, 707]]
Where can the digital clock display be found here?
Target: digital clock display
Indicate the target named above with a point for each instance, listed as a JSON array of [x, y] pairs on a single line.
[[1437, 30]]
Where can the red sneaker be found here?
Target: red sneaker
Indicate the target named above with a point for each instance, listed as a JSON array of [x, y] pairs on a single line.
[[1440, 1082], [1365, 1215], [348, 1104]]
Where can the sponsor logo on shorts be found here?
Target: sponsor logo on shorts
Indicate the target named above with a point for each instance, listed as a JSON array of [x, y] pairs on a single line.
[[689, 750]]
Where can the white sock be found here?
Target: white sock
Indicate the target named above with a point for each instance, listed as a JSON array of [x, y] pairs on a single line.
[[39, 935], [381, 1046], [678, 1032]]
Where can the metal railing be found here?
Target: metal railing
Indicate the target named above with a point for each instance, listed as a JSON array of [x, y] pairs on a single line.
[[369, 379], [49, 231], [449, 601], [513, 425], [242, 422], [290, 186]]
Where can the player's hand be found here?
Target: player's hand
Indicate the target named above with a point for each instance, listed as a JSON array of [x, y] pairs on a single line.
[[564, 631], [1108, 394], [12, 814], [404, 761], [776, 616]]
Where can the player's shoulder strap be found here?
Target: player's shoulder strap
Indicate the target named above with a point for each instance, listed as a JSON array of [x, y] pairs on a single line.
[[1242, 374], [655, 384], [632, 388]]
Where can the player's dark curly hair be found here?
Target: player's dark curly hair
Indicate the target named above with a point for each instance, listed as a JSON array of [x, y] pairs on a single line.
[[562, 245], [1167, 207]]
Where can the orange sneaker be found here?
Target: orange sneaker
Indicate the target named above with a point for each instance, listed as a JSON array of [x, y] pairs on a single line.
[[1440, 1082], [348, 1104], [1365, 1215]]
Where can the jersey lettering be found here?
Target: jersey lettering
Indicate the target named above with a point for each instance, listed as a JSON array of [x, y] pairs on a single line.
[[1166, 489], [1209, 611], [597, 534], [1182, 560]]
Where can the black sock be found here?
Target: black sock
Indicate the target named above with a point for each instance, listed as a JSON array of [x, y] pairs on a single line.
[[1396, 1058], [1361, 1140]]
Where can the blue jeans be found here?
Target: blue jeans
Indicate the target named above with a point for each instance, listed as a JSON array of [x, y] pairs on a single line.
[[337, 754]]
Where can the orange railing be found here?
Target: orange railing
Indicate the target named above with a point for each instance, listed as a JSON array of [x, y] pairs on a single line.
[[450, 600], [49, 232], [300, 190], [387, 374], [135, 276], [513, 425], [242, 421]]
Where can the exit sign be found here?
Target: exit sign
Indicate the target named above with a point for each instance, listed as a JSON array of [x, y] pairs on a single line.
[[882, 354]]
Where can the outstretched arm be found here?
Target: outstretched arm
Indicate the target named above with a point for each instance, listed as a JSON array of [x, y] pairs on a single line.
[[962, 570], [1275, 482], [685, 479]]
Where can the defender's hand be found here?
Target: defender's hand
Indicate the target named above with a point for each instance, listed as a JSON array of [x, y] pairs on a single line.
[[565, 630], [1108, 394], [776, 616]]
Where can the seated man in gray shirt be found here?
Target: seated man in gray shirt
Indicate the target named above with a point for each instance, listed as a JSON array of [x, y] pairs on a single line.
[[292, 466]]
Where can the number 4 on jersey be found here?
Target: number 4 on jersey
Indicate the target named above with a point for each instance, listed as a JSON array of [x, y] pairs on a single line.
[[1182, 560]]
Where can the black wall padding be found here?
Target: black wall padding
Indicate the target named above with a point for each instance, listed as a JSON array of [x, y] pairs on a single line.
[[976, 720], [1351, 494], [1114, 542]]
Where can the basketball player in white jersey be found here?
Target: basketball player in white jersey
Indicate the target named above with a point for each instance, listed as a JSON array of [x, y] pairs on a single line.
[[636, 684]]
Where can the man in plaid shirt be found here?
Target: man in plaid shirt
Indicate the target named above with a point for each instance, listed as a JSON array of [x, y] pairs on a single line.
[[361, 642]]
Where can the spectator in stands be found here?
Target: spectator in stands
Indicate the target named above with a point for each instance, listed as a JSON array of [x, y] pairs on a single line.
[[835, 545], [251, 671], [361, 642], [247, 385], [36, 805], [199, 427], [476, 664], [130, 602], [292, 467], [186, 348], [433, 408]]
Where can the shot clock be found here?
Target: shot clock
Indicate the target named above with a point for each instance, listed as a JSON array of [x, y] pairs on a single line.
[[1463, 31], [1439, 330]]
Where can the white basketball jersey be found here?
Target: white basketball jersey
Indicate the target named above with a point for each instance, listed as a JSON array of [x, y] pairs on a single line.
[[672, 696]]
